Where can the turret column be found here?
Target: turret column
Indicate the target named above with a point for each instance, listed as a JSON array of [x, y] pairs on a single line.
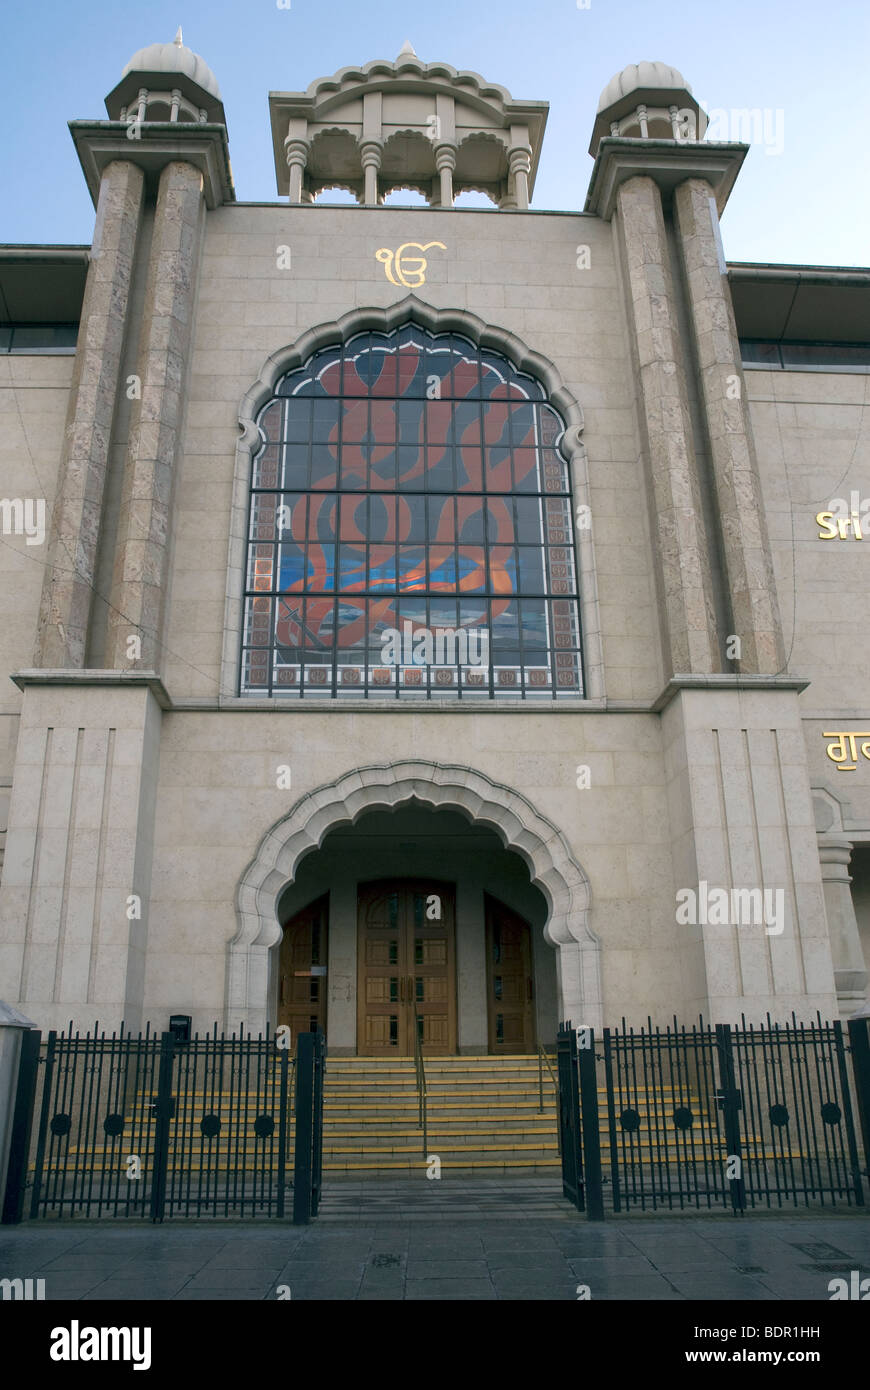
[[142, 556], [370, 156], [745, 543], [75, 525], [682, 550]]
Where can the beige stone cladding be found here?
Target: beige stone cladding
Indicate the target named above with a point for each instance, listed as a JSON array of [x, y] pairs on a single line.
[[34, 392], [812, 432], [219, 797], [742, 818], [77, 875], [519, 273]]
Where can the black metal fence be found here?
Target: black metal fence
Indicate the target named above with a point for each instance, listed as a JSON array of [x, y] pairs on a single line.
[[713, 1118], [155, 1126]]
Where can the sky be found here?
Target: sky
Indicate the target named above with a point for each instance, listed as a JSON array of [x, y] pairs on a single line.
[[802, 197]]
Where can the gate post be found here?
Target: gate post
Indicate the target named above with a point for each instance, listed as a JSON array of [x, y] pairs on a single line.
[[569, 1115], [317, 1145], [730, 1102], [859, 1044], [21, 1112], [309, 1081], [591, 1135], [164, 1111], [284, 1069], [50, 1048]]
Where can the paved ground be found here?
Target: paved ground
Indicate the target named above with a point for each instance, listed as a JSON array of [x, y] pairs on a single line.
[[481, 1240]]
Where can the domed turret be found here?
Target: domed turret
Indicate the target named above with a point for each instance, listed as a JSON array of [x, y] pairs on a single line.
[[167, 82], [648, 101], [174, 57]]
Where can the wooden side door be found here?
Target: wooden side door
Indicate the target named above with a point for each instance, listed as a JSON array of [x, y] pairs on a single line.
[[405, 963], [302, 970], [381, 972], [430, 909], [509, 981]]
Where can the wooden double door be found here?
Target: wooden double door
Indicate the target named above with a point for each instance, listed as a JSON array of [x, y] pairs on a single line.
[[407, 969]]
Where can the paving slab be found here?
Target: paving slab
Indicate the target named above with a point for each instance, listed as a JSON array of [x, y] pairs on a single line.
[[463, 1242]]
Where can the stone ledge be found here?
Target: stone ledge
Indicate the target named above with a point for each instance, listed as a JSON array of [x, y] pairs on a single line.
[[725, 681], [667, 162], [106, 679], [99, 143]]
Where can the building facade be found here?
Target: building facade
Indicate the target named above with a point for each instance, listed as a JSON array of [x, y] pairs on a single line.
[[434, 617]]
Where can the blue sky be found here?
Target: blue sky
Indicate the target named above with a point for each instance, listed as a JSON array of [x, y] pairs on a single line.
[[803, 64]]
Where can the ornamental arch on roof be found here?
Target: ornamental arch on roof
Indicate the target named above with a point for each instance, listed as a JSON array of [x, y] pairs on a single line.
[[407, 124]]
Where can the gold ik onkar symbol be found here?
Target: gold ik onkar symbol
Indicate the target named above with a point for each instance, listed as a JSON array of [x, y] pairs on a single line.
[[414, 266]]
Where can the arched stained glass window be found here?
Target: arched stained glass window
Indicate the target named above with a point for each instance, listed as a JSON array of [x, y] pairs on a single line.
[[411, 531]]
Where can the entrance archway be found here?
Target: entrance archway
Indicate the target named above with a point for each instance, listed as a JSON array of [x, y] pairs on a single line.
[[520, 827]]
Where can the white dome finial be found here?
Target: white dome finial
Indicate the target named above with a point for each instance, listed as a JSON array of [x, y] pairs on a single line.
[[178, 39], [407, 50]]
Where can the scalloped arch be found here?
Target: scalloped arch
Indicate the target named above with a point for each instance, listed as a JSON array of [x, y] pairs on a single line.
[[333, 132], [380, 73], [520, 826], [409, 309], [319, 186], [402, 183], [408, 132], [495, 137]]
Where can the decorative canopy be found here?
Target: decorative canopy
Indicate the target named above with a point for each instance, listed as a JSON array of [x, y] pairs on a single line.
[[406, 124]]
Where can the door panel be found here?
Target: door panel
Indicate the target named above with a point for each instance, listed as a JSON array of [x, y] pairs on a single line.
[[302, 970], [406, 963], [509, 981]]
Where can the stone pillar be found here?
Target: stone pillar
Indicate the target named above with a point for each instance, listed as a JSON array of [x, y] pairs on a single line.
[[520, 168], [13, 1025], [176, 101], [297, 158], [683, 564], [850, 968], [742, 821], [72, 560], [370, 156], [746, 548], [77, 879], [142, 554], [143, 102], [445, 163]]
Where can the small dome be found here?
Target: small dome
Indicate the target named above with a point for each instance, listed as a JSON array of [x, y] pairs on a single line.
[[639, 77], [174, 57]]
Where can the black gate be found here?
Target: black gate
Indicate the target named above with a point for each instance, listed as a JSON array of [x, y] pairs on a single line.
[[309, 1127], [156, 1126], [579, 1141], [715, 1118], [568, 1072]]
